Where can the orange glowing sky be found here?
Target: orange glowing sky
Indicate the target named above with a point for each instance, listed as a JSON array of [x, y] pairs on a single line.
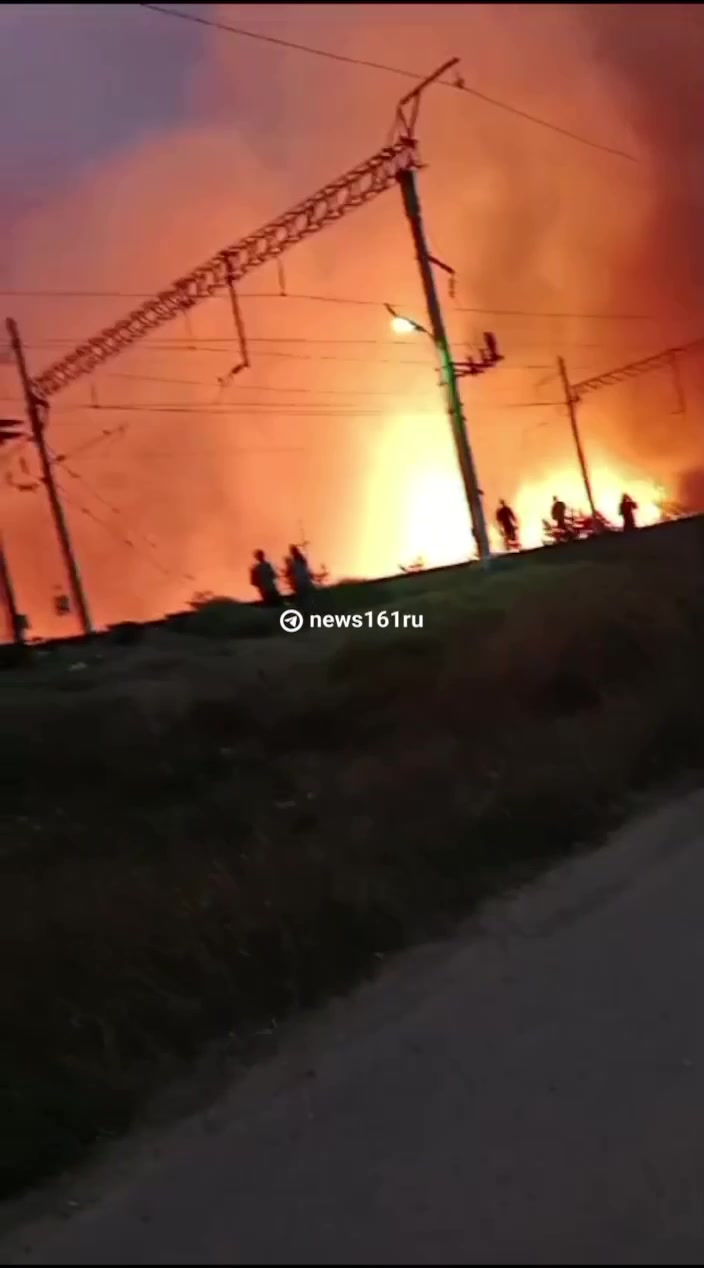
[[338, 429]]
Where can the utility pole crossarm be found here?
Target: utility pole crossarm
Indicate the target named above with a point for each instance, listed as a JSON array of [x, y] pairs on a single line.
[[656, 362], [356, 188]]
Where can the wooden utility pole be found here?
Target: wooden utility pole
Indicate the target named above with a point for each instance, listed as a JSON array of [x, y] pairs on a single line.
[[463, 449], [571, 402], [35, 409]]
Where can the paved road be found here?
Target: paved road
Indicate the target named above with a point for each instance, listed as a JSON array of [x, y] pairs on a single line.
[[532, 1093]]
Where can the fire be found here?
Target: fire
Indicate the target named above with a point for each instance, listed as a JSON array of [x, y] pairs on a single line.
[[433, 521], [533, 501], [416, 506]]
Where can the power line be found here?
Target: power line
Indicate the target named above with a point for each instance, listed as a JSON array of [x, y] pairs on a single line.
[[263, 409], [337, 299], [308, 391], [285, 356], [305, 341], [116, 511], [458, 85], [256, 409], [265, 387], [293, 356], [126, 541], [404, 363], [296, 411], [106, 434], [109, 527]]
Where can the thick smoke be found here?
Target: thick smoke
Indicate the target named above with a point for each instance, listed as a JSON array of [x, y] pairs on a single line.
[[655, 68], [344, 441]]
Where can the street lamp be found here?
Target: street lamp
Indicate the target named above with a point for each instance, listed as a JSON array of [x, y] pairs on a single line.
[[402, 325], [488, 357]]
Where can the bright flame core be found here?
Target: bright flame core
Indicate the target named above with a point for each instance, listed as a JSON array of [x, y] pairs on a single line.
[[434, 522], [533, 501], [414, 477]]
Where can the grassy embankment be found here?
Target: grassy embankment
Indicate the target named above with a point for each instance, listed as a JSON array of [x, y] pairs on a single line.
[[200, 834]]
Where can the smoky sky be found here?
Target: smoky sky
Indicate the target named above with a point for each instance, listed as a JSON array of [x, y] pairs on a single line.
[[77, 81], [653, 55]]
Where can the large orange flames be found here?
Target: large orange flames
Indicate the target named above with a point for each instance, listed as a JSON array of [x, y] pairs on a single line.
[[417, 506], [533, 500], [335, 433], [433, 520]]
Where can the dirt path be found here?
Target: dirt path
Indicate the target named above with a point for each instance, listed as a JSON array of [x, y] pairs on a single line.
[[531, 1095]]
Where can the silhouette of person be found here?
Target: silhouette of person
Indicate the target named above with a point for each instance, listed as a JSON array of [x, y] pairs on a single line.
[[627, 510], [508, 524], [298, 573], [558, 512], [263, 577]]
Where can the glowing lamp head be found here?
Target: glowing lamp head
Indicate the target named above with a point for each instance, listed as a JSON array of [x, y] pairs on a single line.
[[403, 325]]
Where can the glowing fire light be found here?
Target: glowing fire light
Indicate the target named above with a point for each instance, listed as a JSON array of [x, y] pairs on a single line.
[[414, 477], [433, 520], [533, 501]]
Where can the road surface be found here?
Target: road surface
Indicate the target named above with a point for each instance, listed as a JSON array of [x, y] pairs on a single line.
[[531, 1093]]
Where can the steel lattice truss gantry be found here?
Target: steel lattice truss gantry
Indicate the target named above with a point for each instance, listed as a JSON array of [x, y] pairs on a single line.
[[334, 201], [660, 360]]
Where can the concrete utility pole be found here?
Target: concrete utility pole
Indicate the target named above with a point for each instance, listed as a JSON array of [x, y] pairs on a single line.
[[411, 204], [677, 384], [10, 430], [571, 402], [9, 602], [34, 408]]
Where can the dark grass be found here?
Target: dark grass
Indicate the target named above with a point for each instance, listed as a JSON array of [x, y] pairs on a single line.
[[187, 850]]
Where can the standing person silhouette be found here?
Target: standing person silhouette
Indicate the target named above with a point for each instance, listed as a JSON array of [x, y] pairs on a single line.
[[298, 575], [558, 512], [627, 510], [507, 522], [263, 577]]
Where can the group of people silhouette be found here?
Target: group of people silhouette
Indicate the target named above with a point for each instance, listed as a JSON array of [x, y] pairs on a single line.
[[299, 578], [296, 572], [508, 523]]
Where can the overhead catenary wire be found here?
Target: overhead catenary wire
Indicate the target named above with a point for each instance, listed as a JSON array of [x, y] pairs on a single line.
[[127, 541], [56, 460], [293, 356], [275, 387], [333, 358], [352, 301], [76, 475], [284, 411], [457, 85], [107, 433]]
